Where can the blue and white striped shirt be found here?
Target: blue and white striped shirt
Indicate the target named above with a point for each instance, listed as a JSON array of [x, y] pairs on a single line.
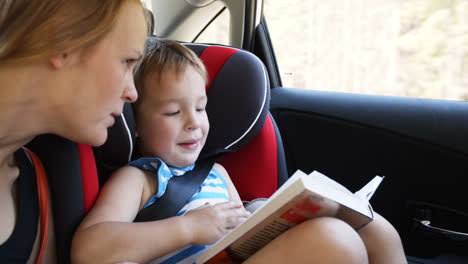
[[213, 190]]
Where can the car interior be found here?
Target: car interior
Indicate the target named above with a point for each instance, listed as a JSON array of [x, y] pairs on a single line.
[[244, 138], [418, 144], [270, 131]]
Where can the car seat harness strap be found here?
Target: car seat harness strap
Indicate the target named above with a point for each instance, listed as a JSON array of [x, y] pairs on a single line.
[[179, 190]]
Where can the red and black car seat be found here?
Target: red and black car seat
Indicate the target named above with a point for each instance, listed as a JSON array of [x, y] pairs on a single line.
[[242, 132], [241, 125], [73, 183]]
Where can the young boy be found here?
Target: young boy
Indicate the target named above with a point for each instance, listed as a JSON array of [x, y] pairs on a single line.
[[172, 127]]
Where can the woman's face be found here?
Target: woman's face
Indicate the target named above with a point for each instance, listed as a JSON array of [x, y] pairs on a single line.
[[100, 80]]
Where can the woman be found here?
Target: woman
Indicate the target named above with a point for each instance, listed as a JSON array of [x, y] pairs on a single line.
[[66, 69]]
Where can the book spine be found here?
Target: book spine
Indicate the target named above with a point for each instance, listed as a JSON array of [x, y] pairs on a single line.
[[223, 257], [300, 209], [259, 239]]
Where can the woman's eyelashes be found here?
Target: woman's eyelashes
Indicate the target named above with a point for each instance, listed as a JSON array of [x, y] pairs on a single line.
[[131, 62]]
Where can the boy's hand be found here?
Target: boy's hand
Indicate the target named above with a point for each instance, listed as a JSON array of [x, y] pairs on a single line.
[[210, 222]]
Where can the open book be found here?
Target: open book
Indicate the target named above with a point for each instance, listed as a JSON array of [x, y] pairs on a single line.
[[300, 198]]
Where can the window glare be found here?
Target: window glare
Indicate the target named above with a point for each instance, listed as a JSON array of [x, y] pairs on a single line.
[[416, 48], [218, 31]]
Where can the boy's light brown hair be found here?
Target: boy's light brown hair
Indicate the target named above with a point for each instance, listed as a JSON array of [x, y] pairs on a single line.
[[162, 55]]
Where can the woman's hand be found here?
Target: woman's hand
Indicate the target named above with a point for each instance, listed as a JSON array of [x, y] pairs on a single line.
[[210, 222]]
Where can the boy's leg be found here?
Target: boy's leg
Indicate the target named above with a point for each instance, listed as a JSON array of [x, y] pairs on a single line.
[[382, 242], [320, 240]]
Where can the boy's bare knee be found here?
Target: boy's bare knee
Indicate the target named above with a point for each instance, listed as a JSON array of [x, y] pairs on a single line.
[[321, 240], [382, 241], [380, 231], [340, 238]]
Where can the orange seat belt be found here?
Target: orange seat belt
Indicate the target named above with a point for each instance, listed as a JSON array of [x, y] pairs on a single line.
[[43, 194]]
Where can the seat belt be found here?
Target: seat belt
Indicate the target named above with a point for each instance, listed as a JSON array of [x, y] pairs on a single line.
[[179, 190]]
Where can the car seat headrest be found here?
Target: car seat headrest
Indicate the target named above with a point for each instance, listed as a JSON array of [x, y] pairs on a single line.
[[238, 103], [238, 97]]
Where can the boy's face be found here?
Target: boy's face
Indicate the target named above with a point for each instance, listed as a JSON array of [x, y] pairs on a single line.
[[171, 121]]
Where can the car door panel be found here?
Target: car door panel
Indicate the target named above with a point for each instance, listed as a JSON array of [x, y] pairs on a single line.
[[417, 144]]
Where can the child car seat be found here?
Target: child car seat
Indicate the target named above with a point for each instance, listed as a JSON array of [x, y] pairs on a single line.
[[242, 126], [242, 132]]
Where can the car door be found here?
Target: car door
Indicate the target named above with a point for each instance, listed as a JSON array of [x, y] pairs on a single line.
[[337, 127], [418, 144]]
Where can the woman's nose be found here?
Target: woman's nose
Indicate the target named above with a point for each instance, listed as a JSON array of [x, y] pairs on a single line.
[[130, 93]]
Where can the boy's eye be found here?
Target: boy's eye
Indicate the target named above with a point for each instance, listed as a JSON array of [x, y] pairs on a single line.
[[201, 109], [172, 113]]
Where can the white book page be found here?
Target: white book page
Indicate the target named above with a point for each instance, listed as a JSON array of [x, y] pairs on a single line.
[[329, 182], [331, 189], [369, 189], [290, 181]]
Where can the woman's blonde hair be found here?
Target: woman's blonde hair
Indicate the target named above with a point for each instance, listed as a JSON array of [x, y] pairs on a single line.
[[162, 55], [31, 30]]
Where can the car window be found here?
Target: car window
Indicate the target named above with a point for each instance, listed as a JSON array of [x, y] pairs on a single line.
[[416, 48], [217, 31]]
